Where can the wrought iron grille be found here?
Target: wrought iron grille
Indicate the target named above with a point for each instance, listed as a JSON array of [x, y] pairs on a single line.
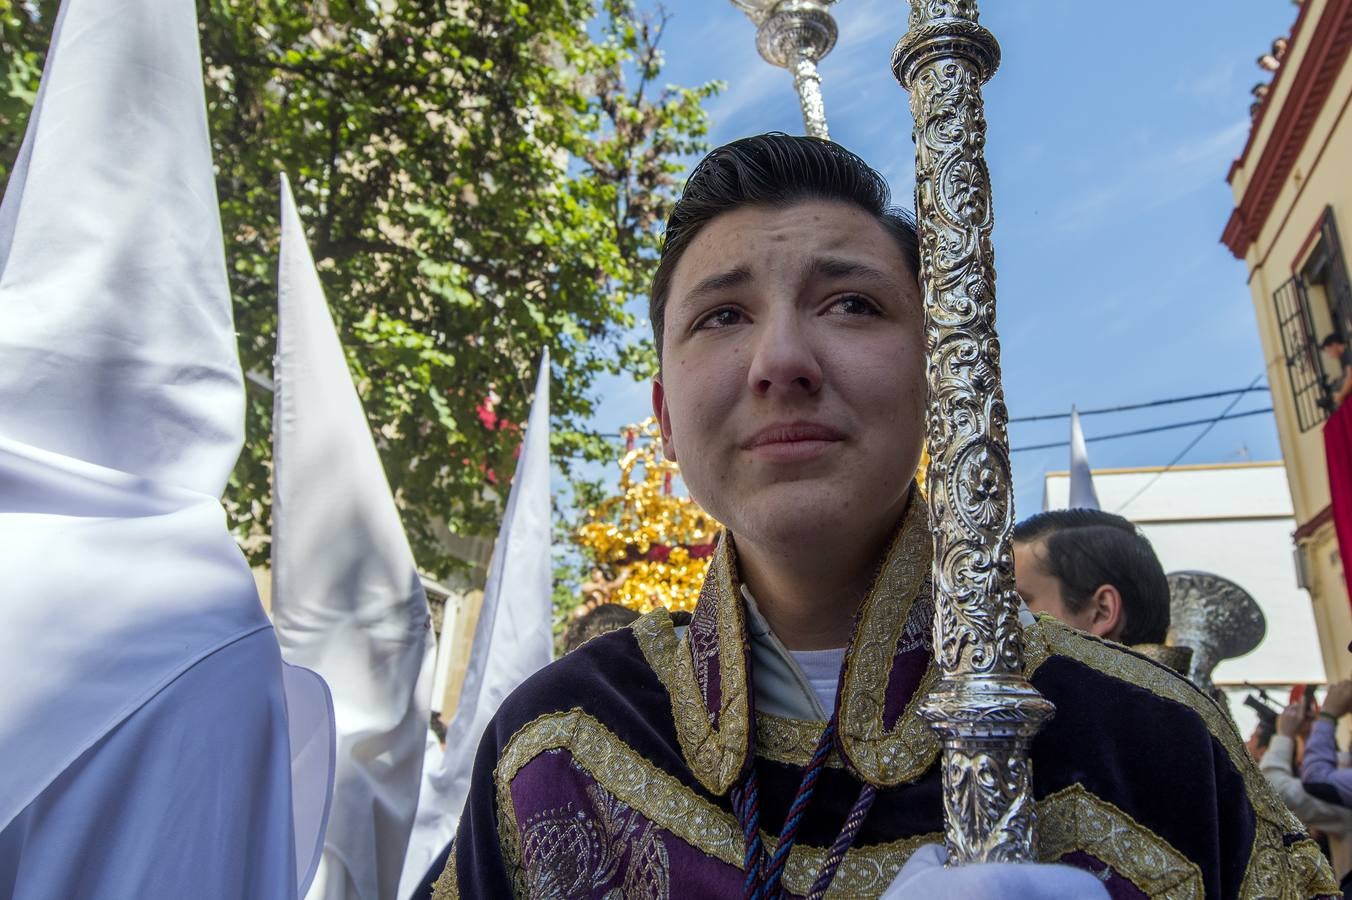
[[1308, 387]]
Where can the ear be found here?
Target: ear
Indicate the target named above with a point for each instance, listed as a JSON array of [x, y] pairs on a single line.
[[1108, 615], [663, 419]]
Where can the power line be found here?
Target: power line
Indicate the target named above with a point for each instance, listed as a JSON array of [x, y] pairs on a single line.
[[1237, 394], [1120, 434], [1157, 428], [1146, 405], [1184, 452], [1103, 410]]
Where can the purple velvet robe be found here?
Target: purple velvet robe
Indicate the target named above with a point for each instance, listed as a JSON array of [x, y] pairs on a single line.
[[608, 773]]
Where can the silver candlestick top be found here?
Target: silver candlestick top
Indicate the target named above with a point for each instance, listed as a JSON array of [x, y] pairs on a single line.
[[1214, 616], [795, 35]]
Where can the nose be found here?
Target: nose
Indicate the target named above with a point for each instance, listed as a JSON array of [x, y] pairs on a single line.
[[784, 360]]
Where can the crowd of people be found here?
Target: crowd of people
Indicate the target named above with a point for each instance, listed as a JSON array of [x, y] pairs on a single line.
[[1298, 753]]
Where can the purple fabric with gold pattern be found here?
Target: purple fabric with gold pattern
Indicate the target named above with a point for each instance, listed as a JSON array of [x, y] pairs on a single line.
[[608, 773]]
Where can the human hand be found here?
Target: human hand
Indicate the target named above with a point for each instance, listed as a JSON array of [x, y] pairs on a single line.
[[924, 877], [1338, 701], [1290, 720]]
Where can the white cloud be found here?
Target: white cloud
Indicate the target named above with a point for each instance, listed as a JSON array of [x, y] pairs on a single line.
[[1157, 179], [750, 88], [1214, 148], [1211, 85]]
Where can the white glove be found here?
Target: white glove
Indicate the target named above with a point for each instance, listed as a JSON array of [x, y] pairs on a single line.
[[924, 877]]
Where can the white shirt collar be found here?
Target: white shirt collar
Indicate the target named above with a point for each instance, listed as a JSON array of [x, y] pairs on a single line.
[[782, 686]]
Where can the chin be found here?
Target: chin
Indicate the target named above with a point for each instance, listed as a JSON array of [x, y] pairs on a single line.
[[810, 515]]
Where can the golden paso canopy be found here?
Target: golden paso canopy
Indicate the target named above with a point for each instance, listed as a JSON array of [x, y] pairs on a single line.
[[649, 546]]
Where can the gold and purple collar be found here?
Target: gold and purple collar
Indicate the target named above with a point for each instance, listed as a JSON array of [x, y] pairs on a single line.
[[888, 670]]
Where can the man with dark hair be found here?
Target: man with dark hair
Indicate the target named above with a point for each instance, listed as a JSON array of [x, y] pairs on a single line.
[[773, 746], [1335, 348], [1094, 571]]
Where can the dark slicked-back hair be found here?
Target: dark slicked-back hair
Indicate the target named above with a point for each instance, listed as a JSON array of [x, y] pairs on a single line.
[[772, 170], [603, 618], [1088, 548]]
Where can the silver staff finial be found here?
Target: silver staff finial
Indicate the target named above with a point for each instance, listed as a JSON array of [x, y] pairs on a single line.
[[795, 35]]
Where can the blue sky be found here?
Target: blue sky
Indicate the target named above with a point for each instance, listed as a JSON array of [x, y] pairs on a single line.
[[1111, 128]]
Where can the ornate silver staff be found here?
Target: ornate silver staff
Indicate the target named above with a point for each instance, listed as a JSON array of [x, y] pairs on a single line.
[[795, 35], [985, 711]]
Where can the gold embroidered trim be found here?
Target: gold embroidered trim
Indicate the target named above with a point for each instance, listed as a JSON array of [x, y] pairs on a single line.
[[733, 736], [882, 757], [864, 873], [662, 799], [1274, 870], [1289, 873], [714, 756], [1074, 819], [624, 773], [1036, 650], [791, 741], [447, 886], [885, 758]]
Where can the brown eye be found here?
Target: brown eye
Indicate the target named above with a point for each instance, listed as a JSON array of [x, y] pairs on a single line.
[[719, 318], [855, 305]]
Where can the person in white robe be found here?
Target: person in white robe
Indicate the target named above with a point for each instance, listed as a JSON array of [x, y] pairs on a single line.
[[512, 640], [149, 729], [346, 596]]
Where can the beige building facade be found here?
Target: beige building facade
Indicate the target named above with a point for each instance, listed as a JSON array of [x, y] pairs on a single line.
[[1293, 198]]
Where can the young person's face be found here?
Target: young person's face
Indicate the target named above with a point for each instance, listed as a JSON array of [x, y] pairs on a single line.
[[1335, 351], [793, 387]]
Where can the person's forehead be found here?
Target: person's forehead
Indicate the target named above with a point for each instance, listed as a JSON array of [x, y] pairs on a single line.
[[749, 237], [1031, 556]]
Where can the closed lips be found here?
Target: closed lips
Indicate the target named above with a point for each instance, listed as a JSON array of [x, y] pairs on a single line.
[[793, 433]]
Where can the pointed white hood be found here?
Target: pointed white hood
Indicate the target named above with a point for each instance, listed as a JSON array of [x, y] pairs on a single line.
[[115, 324], [121, 397], [346, 597], [1082, 493], [512, 639]]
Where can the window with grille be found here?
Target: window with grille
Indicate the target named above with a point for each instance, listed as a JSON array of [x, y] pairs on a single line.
[[1316, 302], [1309, 388]]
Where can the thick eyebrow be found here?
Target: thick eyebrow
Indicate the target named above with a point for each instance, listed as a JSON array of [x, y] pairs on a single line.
[[721, 282], [831, 267], [820, 267]]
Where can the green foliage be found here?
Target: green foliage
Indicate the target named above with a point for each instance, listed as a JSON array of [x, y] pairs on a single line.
[[25, 30], [479, 181], [571, 566]]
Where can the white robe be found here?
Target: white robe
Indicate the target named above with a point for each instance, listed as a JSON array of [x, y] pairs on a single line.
[[145, 742], [204, 763]]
